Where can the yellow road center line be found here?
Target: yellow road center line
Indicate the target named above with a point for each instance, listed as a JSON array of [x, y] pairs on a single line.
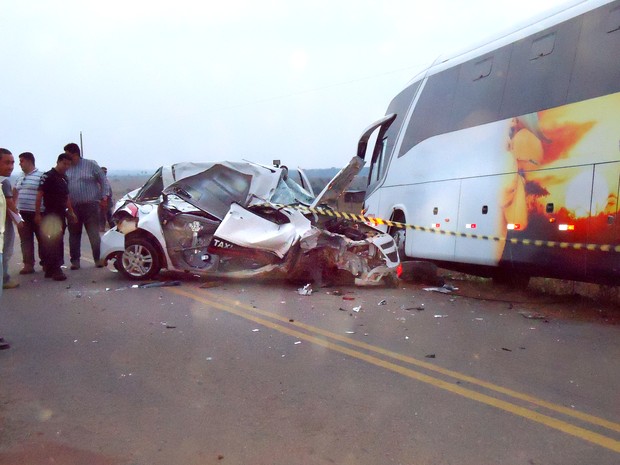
[[559, 425], [429, 366]]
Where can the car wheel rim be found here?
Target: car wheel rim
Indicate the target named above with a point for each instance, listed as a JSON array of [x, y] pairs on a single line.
[[137, 260]]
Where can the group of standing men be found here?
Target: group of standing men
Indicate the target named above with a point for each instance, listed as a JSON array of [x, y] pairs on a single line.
[[73, 194]]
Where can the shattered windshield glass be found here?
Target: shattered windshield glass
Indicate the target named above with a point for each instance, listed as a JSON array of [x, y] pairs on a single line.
[[289, 192]]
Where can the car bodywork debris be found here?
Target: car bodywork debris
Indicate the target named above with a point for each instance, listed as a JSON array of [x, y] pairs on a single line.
[[306, 290], [159, 284]]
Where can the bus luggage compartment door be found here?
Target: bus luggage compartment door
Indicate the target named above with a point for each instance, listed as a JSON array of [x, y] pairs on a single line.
[[434, 207], [486, 206]]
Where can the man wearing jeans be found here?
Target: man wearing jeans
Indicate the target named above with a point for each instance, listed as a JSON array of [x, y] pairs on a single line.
[[86, 192]]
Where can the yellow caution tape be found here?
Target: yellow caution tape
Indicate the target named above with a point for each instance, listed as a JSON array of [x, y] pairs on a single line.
[[395, 224]]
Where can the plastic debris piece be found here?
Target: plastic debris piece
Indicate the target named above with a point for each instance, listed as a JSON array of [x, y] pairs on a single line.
[[357, 309], [159, 284], [479, 319], [350, 332], [255, 330], [430, 356], [348, 298], [382, 302], [297, 342], [342, 309], [306, 290], [506, 349], [335, 292], [440, 316], [170, 326]]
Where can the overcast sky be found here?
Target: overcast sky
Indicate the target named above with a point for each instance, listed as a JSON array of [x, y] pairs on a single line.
[[156, 82]]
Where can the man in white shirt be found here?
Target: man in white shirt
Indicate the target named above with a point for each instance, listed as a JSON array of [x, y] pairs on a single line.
[[24, 196]]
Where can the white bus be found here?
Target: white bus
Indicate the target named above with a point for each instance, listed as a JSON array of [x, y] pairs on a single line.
[[505, 159]]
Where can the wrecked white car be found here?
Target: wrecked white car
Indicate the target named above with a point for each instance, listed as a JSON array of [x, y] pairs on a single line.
[[242, 220]]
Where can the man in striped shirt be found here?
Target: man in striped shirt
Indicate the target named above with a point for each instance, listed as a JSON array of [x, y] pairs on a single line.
[[86, 192], [25, 195]]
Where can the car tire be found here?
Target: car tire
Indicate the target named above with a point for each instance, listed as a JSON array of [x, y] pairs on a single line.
[[140, 260]]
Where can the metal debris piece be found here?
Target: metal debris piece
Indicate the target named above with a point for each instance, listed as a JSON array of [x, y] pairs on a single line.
[[357, 309], [440, 316], [349, 332], [297, 342], [335, 292], [507, 350], [382, 302], [159, 284], [256, 330], [442, 290], [306, 290]]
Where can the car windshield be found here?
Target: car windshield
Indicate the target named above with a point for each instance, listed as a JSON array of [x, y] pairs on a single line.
[[289, 192]]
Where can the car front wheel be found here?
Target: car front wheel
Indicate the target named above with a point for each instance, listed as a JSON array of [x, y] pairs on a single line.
[[140, 260]]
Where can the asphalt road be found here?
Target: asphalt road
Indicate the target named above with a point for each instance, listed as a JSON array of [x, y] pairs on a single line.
[[254, 373]]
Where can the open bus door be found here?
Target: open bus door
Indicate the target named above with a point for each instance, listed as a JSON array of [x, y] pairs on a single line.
[[378, 158]]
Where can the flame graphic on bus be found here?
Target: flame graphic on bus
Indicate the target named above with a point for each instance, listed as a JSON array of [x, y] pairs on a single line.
[[565, 158]]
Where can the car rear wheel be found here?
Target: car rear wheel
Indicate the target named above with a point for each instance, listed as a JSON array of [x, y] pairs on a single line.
[[140, 260]]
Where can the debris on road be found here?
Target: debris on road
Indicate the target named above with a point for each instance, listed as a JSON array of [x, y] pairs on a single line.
[[357, 309], [430, 356], [445, 289], [348, 298], [440, 316], [158, 284], [306, 290], [382, 302], [533, 315]]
